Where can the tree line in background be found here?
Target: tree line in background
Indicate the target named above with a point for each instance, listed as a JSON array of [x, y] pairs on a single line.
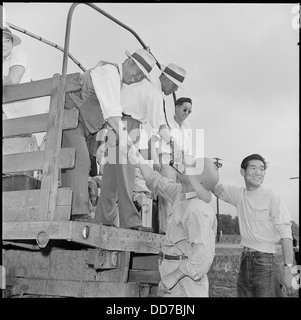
[[229, 225]]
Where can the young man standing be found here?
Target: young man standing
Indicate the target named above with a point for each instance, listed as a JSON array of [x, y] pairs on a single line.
[[189, 244], [263, 221]]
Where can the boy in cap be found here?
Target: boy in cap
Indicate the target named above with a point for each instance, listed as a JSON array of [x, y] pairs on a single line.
[[189, 244], [98, 101]]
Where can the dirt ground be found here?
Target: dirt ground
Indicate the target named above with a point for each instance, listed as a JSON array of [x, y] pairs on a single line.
[[224, 271]]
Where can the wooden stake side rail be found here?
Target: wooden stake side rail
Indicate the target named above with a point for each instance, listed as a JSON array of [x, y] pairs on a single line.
[[37, 123], [37, 89]]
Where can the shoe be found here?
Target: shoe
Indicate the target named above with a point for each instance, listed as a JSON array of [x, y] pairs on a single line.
[[83, 217], [141, 228]]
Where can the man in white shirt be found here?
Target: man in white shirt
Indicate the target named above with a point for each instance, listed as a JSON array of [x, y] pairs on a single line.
[[263, 220], [98, 102], [141, 102], [180, 131]]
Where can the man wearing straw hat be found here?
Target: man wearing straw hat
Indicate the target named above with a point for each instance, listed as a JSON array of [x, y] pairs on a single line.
[[189, 244], [98, 102], [143, 101]]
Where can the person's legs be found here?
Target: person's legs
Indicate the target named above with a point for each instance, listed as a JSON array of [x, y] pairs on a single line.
[[118, 181], [77, 178], [244, 286], [266, 276], [164, 206]]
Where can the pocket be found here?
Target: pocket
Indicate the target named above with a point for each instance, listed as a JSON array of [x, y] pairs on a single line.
[[262, 214]]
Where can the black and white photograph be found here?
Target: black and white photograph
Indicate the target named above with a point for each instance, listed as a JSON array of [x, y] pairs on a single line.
[[150, 150]]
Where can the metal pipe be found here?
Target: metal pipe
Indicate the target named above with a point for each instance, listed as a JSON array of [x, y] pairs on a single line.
[[30, 34], [68, 28]]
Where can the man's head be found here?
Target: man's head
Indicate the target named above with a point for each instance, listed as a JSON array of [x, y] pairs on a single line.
[[172, 78], [137, 66], [200, 175], [183, 109], [9, 40], [253, 170]]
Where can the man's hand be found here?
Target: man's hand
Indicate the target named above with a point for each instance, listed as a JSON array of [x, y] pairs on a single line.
[[169, 281], [287, 280]]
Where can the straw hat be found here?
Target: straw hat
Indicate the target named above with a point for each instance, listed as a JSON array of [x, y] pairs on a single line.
[[174, 73], [203, 177], [16, 40], [144, 60]]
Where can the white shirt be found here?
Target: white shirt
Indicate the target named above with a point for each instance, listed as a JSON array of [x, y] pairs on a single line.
[[263, 218], [182, 136], [107, 85], [143, 102], [20, 108]]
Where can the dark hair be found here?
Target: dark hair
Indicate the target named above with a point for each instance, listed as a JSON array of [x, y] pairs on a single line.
[[182, 100], [255, 156]]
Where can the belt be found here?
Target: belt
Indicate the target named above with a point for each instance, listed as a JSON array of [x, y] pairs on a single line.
[[169, 257]]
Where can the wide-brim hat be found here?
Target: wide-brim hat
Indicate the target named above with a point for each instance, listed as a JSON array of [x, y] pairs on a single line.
[[203, 176], [144, 60], [16, 40], [174, 73]]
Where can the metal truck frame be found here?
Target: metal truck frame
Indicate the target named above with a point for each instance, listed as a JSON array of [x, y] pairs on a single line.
[[44, 252]]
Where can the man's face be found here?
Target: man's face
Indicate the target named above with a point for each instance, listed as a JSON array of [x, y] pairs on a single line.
[[132, 73], [183, 111], [254, 174], [7, 45], [168, 87]]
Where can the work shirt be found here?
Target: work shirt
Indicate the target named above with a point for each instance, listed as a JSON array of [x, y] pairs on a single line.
[[144, 102], [263, 217], [191, 227], [19, 108], [107, 82], [182, 135]]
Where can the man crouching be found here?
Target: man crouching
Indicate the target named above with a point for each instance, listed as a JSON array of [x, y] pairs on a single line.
[[189, 244]]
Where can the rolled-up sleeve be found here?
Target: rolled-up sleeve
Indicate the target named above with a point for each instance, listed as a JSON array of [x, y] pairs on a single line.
[[106, 82], [164, 186], [202, 238], [281, 217]]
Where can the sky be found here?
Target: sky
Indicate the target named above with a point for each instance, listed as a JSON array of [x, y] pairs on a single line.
[[242, 63]]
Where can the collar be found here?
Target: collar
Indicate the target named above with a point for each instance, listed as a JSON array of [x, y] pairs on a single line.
[[190, 195]]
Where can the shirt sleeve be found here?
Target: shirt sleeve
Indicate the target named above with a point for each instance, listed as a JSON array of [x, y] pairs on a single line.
[[154, 108], [202, 237], [164, 186], [281, 217], [227, 193], [106, 82], [19, 59]]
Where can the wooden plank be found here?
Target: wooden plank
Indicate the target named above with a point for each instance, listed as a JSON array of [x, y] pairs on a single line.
[[62, 213], [30, 230], [29, 198], [37, 89], [112, 238], [23, 205], [143, 276], [52, 149], [37, 123], [73, 288], [144, 262], [31, 161]]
